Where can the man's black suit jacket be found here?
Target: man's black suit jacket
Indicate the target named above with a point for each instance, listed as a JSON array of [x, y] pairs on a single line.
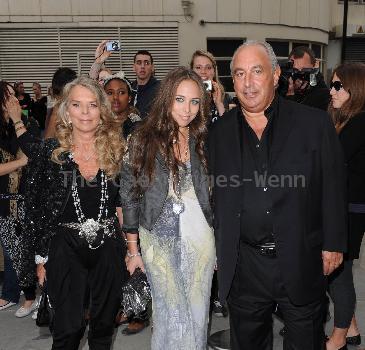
[[306, 219]]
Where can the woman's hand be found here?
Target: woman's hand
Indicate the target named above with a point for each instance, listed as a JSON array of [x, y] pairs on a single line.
[[41, 274], [217, 98], [22, 158], [133, 263], [12, 108], [101, 54]]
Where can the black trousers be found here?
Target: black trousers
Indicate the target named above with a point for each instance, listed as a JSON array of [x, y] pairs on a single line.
[[257, 288], [72, 270], [342, 291]]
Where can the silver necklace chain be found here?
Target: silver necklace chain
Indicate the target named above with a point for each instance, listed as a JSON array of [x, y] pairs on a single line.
[[178, 205], [89, 227]]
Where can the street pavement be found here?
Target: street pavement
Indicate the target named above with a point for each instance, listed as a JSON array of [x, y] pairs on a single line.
[[23, 334]]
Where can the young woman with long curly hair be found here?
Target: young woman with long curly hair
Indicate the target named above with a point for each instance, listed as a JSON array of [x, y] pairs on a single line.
[[165, 201]]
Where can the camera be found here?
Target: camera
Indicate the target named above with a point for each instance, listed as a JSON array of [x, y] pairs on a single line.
[[208, 85], [308, 75], [112, 45]]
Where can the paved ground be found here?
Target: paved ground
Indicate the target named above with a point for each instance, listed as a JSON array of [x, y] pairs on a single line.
[[23, 334]]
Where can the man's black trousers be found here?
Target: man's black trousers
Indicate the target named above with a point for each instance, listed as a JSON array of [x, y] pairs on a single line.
[[257, 288]]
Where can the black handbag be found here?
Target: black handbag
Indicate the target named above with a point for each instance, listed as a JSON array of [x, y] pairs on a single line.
[[136, 294], [45, 311]]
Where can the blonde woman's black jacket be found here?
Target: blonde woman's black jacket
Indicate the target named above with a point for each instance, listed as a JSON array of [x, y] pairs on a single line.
[[47, 189]]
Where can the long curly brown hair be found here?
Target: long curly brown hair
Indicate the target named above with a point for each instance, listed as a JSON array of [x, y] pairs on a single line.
[[352, 77], [158, 132], [109, 144]]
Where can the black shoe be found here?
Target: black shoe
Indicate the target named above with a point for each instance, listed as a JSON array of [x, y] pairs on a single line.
[[282, 331], [219, 310], [355, 340]]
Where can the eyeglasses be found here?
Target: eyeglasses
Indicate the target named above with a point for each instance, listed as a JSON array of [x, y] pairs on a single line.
[[337, 85], [207, 67]]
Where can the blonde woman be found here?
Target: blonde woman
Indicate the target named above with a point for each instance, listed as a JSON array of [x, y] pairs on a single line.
[[72, 199], [204, 64]]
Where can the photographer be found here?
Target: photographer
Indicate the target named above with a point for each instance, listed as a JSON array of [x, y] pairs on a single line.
[[301, 81]]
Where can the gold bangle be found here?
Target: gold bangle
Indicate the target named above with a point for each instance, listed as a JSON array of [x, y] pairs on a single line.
[[18, 122]]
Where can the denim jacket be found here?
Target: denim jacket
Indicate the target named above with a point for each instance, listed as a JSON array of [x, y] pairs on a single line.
[[145, 210]]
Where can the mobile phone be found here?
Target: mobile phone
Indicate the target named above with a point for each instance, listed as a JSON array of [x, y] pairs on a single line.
[[113, 45]]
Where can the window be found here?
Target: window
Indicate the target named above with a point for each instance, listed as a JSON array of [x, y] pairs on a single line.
[[282, 48], [222, 50], [353, 2]]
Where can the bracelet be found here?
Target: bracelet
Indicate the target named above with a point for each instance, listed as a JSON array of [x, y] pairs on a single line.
[[40, 260], [133, 255], [18, 122], [131, 241], [19, 128]]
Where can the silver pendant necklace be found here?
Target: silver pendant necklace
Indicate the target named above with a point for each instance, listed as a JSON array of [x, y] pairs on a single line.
[[178, 206], [90, 227]]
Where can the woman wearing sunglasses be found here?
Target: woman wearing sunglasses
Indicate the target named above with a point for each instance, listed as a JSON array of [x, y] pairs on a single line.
[[347, 108]]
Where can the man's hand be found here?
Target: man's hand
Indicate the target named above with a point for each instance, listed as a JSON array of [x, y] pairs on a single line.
[[331, 261], [291, 91]]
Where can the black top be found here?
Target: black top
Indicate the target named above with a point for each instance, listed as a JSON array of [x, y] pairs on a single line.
[[39, 110], [9, 146], [25, 102], [145, 95], [90, 195], [256, 215], [352, 138], [316, 96], [214, 114]]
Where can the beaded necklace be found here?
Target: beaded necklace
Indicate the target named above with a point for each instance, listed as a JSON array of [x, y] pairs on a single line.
[[89, 227]]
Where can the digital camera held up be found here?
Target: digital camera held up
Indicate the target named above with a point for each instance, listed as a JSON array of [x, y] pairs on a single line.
[[113, 46], [208, 85], [308, 75]]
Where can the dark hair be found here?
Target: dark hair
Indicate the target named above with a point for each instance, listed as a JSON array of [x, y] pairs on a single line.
[[4, 95], [15, 87], [61, 77], [37, 84], [143, 52], [159, 130], [352, 77], [300, 51]]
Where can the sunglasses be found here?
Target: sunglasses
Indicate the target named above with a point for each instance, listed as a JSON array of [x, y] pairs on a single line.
[[337, 85]]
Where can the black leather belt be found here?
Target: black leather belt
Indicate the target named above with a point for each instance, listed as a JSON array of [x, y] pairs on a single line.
[[267, 249]]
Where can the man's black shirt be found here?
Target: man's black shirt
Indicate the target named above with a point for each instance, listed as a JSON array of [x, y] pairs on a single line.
[[256, 219]]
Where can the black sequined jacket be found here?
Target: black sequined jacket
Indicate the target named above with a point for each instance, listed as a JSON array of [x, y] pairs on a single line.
[[47, 188]]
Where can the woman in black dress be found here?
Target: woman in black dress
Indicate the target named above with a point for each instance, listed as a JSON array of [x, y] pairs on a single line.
[[347, 109], [71, 210]]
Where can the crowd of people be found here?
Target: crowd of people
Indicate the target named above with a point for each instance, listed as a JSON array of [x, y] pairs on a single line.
[[247, 206]]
